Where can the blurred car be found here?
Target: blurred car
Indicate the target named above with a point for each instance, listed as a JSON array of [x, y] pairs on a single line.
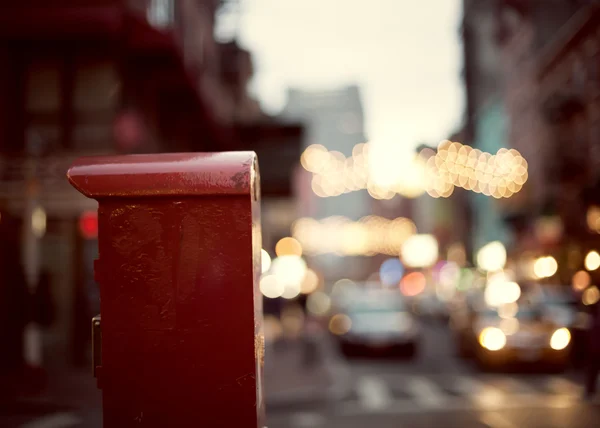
[[376, 322], [507, 336], [564, 307]]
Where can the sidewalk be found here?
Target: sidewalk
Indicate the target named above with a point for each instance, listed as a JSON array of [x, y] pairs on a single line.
[[290, 379], [71, 399]]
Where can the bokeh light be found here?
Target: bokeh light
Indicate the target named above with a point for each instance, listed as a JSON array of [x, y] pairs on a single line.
[[492, 257], [265, 260], [545, 267], [509, 326], [318, 303], [420, 251], [592, 260], [340, 324], [581, 280], [508, 310], [492, 338], [38, 222], [391, 272], [270, 287], [591, 296], [310, 282], [560, 339], [593, 218], [499, 292], [413, 284], [288, 247], [385, 170], [339, 235]]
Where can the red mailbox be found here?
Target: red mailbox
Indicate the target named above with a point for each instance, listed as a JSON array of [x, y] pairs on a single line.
[[181, 314]]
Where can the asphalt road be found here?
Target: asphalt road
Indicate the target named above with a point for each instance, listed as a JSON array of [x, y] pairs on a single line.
[[439, 390]]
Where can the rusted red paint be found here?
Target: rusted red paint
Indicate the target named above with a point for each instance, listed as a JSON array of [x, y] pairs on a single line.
[[179, 245]]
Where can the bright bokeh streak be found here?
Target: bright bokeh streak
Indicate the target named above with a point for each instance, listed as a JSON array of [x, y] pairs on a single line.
[[310, 282], [339, 235], [581, 280], [592, 261], [38, 222], [420, 251], [560, 339], [545, 267], [288, 247], [591, 296], [340, 324], [270, 287], [413, 284], [318, 303], [492, 339], [391, 272], [265, 261], [492, 257], [385, 170]]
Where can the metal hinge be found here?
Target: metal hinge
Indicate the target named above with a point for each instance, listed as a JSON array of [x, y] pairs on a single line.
[[96, 344]]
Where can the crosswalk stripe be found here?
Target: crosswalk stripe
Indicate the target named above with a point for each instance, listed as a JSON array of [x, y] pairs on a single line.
[[373, 393], [425, 392], [482, 394]]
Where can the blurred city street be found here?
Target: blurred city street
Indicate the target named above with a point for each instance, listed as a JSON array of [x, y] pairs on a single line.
[[300, 213], [438, 389]]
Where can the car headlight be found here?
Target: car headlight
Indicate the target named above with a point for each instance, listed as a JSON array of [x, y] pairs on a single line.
[[492, 338], [560, 339]]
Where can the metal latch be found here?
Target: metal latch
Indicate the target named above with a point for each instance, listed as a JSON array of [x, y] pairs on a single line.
[[96, 344]]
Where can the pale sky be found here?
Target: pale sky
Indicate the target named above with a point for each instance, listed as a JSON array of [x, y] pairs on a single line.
[[404, 54]]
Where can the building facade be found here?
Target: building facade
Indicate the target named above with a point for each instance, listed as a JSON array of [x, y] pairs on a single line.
[[106, 77]]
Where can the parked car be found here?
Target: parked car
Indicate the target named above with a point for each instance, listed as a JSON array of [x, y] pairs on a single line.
[[378, 323]]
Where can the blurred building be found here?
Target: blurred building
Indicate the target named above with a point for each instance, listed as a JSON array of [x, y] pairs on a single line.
[[485, 117], [113, 76], [335, 120], [531, 80]]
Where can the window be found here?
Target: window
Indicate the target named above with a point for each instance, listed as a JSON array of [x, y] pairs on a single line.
[[161, 13]]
